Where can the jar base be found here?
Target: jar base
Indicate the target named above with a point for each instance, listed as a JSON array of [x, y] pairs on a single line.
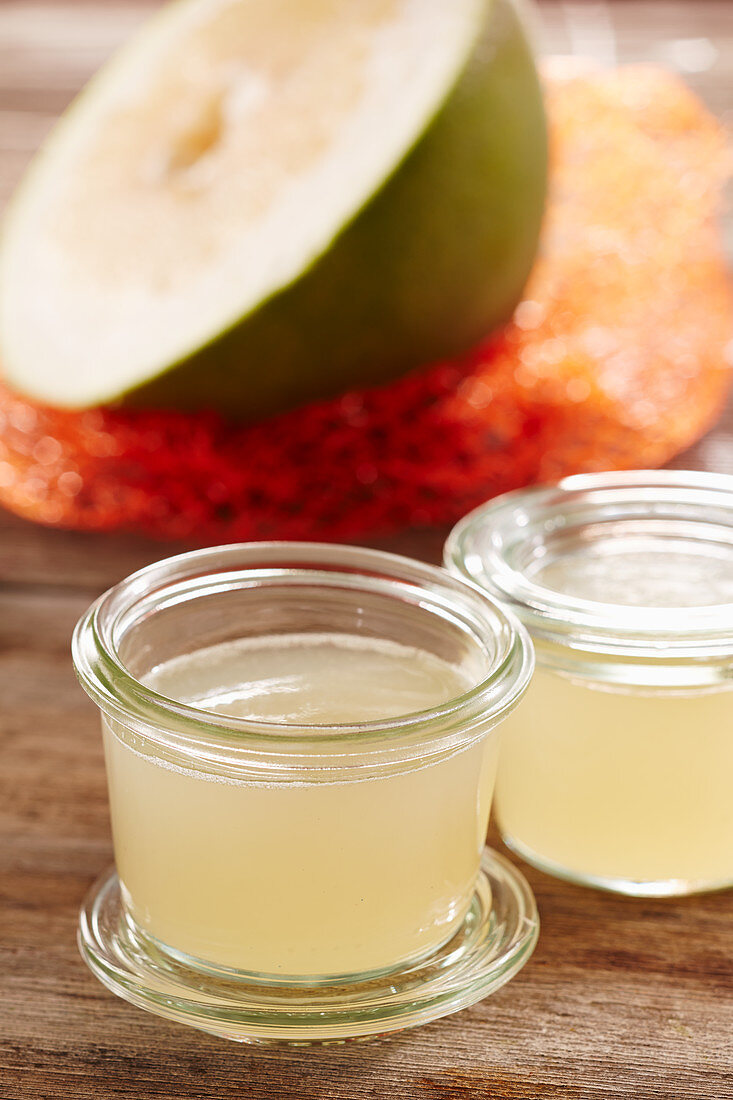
[[494, 942], [638, 888]]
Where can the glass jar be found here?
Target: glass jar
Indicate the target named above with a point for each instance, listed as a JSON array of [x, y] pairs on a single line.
[[262, 861], [618, 770]]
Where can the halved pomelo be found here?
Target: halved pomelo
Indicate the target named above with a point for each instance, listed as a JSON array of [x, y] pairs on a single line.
[[259, 202]]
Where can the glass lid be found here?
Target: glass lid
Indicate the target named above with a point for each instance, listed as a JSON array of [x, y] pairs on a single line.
[[637, 563]]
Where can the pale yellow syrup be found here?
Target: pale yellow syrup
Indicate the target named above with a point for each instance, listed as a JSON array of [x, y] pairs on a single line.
[[629, 783], [621, 785], [310, 879]]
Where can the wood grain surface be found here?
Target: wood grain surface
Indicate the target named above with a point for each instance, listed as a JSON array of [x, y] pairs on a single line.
[[622, 999]]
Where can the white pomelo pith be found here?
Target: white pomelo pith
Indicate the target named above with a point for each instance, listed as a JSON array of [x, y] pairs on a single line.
[[252, 206]]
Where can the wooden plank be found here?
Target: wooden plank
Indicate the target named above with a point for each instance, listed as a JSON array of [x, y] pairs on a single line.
[[32, 555]]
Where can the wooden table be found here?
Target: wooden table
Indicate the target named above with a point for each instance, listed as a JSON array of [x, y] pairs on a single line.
[[622, 998]]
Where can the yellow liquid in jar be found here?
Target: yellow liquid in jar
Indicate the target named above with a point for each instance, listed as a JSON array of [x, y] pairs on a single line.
[[620, 785], [319, 878]]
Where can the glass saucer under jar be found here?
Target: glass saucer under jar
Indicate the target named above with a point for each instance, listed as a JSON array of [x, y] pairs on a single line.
[[618, 770], [291, 881]]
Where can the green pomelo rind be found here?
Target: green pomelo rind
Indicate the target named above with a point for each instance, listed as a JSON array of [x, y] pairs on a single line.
[[433, 262]]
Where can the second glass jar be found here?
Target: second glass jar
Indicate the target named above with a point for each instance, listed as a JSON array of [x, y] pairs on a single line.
[[618, 771]]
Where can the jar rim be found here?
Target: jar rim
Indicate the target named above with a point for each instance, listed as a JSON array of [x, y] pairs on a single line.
[[196, 731], [496, 545]]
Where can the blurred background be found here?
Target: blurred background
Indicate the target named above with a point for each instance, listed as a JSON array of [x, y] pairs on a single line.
[[49, 49]]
